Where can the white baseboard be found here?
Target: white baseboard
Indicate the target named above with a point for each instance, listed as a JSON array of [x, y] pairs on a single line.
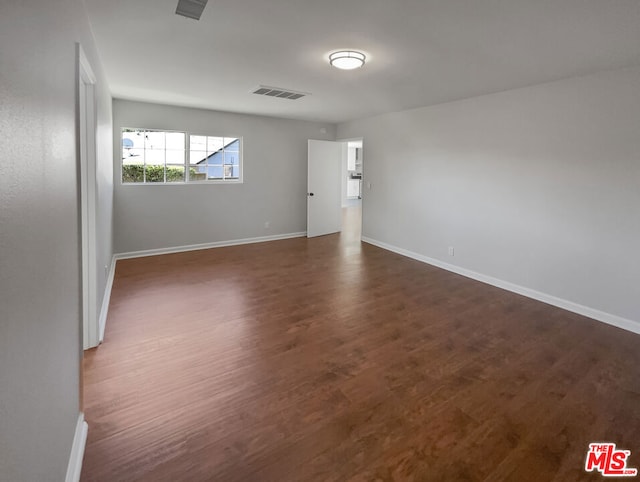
[[625, 324], [217, 244], [176, 249], [102, 321], [77, 450]]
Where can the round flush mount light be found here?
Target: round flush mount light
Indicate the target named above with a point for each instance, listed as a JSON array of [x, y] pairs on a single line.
[[347, 59]]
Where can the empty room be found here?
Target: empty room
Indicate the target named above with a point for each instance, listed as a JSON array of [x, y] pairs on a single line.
[[347, 240]]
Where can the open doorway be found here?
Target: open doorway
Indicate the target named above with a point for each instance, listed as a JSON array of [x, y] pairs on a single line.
[[352, 168], [334, 188]]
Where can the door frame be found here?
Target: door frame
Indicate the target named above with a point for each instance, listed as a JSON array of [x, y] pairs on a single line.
[[362, 183], [87, 190]]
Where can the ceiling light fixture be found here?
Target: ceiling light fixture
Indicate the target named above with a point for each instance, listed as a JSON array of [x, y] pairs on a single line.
[[347, 59]]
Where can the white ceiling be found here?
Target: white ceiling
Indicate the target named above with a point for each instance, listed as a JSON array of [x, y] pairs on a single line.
[[420, 52]]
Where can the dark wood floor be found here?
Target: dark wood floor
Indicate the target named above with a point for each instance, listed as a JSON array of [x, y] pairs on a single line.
[[327, 360]]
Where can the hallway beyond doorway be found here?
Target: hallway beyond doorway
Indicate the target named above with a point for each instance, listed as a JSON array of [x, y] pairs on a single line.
[[352, 221]]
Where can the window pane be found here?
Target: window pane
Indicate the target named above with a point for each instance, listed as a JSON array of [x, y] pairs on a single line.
[[198, 143], [133, 173], [153, 156], [175, 156], [215, 152], [134, 137], [230, 157], [175, 173], [231, 144], [231, 172], [154, 173], [154, 140], [214, 172], [175, 140], [214, 144], [127, 144], [133, 156], [129, 141], [197, 173], [197, 157]]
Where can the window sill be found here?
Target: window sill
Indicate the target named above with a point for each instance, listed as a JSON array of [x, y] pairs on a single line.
[[190, 183]]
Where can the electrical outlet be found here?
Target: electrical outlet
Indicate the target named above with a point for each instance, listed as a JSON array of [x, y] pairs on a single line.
[[267, 224], [451, 251]]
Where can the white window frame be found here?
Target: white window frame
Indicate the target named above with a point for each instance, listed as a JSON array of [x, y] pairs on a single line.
[[239, 180], [187, 165]]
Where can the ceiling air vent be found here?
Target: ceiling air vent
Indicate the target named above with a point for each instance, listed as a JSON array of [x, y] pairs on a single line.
[[191, 8], [278, 92]]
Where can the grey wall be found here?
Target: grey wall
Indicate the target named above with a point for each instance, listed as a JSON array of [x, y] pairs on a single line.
[[274, 188], [40, 332], [539, 186]]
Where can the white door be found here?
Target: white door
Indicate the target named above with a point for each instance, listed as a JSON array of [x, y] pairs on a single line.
[[324, 185]]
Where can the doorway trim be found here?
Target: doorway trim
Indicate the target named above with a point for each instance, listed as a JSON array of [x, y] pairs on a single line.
[[87, 190]]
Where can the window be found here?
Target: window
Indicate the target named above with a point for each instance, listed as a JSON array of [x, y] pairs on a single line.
[[160, 157], [214, 158]]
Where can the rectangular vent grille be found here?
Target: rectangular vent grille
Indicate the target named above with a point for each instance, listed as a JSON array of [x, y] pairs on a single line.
[[278, 92], [191, 8]]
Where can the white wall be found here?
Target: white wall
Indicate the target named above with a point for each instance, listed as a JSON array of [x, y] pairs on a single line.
[[40, 303], [539, 187], [274, 188]]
